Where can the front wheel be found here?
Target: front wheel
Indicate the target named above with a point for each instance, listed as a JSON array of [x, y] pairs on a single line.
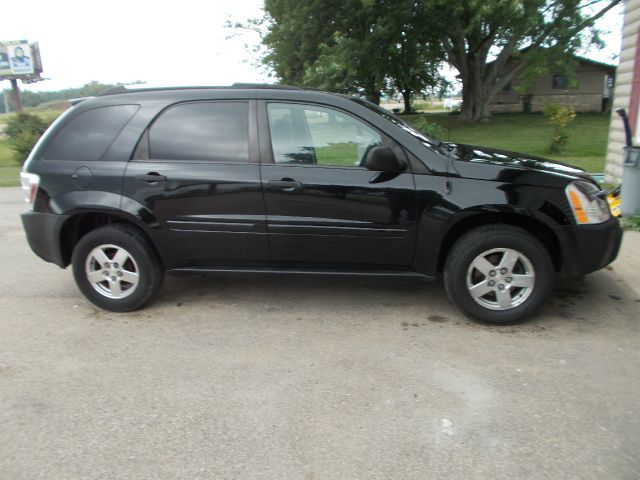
[[116, 268], [498, 274]]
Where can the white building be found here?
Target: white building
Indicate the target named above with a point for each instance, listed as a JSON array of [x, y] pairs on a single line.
[[627, 92]]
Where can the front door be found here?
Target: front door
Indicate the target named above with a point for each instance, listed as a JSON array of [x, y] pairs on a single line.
[[323, 207], [196, 173]]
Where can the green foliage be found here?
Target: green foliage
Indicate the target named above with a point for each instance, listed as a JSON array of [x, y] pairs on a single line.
[[430, 129], [23, 131], [353, 46], [632, 223], [560, 117]]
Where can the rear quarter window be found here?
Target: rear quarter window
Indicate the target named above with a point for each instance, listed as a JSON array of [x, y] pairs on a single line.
[[88, 135]]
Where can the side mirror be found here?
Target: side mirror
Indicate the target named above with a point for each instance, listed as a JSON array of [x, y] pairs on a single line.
[[383, 159]]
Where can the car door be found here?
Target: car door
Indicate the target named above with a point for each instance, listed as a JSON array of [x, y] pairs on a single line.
[[195, 171], [323, 207]]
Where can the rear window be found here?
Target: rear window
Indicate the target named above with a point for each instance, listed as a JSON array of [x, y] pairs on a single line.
[[207, 132], [88, 135]]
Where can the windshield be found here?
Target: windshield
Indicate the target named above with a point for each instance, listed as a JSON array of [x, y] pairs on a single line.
[[429, 142]]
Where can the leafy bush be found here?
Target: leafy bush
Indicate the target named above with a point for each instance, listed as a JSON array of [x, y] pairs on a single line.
[[560, 116], [23, 131], [632, 223], [431, 130]]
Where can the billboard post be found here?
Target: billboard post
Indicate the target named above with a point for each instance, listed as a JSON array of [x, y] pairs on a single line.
[[20, 60]]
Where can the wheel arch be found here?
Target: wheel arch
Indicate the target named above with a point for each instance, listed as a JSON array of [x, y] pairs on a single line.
[[532, 225], [82, 222]]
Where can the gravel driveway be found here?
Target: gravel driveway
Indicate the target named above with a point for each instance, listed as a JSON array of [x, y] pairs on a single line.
[[309, 378]]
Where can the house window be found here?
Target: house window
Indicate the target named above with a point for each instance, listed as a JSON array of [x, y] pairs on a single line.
[[560, 82]]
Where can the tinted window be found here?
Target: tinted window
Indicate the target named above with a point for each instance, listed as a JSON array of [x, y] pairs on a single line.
[[308, 134], [88, 135], [212, 132]]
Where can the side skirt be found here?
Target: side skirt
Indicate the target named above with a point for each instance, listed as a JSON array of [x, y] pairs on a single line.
[[302, 271]]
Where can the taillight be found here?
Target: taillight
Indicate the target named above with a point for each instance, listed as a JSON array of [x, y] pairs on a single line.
[[30, 182]]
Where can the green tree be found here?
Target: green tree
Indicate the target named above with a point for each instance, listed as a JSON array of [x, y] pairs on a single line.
[[353, 46], [23, 131], [489, 42]]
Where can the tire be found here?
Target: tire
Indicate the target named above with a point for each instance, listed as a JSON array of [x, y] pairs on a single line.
[[118, 287], [515, 281]]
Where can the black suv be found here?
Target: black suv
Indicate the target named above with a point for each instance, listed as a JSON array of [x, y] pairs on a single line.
[[263, 179]]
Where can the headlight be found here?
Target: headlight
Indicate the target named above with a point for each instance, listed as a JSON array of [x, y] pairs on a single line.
[[585, 203]]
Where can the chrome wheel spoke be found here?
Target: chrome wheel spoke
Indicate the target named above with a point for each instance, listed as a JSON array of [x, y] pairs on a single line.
[[504, 298], [522, 281], [121, 257], [130, 277], [483, 265], [115, 288], [100, 256], [509, 259], [480, 289], [97, 276]]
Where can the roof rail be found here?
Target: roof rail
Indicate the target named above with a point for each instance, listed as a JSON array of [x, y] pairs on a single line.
[[75, 101], [145, 88], [267, 86]]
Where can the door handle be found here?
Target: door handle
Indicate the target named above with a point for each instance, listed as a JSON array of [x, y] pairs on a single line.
[[286, 185], [151, 177]]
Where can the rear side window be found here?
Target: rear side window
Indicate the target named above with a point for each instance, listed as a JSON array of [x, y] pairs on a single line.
[[88, 135], [207, 131]]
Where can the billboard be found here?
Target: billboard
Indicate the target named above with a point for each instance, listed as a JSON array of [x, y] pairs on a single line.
[[18, 59]]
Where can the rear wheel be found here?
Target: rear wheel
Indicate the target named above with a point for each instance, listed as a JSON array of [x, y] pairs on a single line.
[[498, 274], [116, 268]]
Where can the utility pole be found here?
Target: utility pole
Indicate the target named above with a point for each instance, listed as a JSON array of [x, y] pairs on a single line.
[[17, 105], [6, 101]]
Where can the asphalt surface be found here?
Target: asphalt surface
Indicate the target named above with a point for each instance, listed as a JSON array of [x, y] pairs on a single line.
[[309, 378]]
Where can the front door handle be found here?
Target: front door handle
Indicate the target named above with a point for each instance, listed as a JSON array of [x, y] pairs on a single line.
[[286, 185], [151, 177]]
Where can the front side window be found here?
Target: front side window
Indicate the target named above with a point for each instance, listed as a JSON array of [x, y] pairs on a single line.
[[87, 136], [206, 131], [312, 135]]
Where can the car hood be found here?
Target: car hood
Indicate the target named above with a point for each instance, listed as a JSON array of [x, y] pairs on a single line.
[[471, 161]]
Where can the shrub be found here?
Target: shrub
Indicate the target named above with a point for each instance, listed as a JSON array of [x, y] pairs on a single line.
[[632, 223], [430, 129], [560, 116], [23, 131]]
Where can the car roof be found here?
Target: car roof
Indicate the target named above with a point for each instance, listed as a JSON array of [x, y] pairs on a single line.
[[168, 95]]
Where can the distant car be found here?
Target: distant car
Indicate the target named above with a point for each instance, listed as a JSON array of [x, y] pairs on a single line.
[[257, 179]]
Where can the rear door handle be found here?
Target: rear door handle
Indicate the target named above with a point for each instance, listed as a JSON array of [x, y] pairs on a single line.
[[286, 185], [151, 177]]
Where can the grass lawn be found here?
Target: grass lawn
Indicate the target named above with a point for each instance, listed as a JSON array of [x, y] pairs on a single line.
[[531, 133], [9, 169]]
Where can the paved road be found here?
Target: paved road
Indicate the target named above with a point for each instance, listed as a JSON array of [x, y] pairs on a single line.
[[309, 379]]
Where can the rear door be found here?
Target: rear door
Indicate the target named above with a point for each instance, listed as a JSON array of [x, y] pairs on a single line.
[[196, 172], [323, 207]]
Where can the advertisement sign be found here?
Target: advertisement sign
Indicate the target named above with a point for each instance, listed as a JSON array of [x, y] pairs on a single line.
[[18, 59]]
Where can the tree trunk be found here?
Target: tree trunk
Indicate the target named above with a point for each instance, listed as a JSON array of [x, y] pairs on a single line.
[[406, 95], [476, 104], [372, 94]]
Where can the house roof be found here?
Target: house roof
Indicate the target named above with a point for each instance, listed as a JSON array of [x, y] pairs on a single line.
[[605, 66]]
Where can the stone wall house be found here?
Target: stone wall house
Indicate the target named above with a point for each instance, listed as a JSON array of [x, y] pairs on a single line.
[[626, 93], [589, 91]]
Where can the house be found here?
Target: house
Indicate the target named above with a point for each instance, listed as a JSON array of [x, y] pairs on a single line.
[[627, 92], [589, 91]]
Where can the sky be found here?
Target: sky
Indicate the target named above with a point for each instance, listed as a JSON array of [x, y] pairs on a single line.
[[162, 43]]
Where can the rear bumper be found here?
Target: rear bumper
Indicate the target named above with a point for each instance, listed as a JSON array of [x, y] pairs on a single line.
[[43, 235], [587, 248]]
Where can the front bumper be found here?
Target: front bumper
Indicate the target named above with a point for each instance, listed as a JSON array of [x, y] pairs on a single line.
[[587, 248], [43, 235]]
